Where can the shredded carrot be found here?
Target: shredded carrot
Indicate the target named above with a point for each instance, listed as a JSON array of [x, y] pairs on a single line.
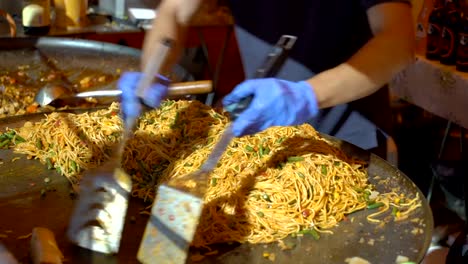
[[31, 108]]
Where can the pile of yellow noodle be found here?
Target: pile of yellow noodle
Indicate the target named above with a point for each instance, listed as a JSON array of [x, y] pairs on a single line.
[[265, 187]]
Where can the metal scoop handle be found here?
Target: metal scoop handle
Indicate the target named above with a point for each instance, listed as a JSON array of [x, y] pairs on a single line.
[[270, 67], [176, 89]]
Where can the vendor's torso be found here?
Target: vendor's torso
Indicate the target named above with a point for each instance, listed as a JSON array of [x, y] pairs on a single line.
[[328, 33]]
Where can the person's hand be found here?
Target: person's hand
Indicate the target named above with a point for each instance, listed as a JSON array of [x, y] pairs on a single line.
[[275, 102], [130, 103]]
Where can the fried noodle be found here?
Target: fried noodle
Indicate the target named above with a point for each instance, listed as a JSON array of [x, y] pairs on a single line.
[[267, 186]]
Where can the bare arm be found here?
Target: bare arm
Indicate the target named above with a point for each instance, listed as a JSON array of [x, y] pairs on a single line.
[[173, 17], [388, 52]]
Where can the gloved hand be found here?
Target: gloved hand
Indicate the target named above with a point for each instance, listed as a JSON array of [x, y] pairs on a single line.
[[275, 102], [130, 103]]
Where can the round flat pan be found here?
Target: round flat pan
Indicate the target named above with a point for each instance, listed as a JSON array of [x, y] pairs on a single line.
[[23, 208]]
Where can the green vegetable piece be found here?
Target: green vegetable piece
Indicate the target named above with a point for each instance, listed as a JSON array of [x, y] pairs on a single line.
[[74, 167], [315, 234], [249, 148], [176, 120], [311, 232], [266, 197], [300, 174], [39, 143], [375, 205], [337, 163], [260, 151], [260, 214], [214, 181], [295, 158], [359, 190], [19, 139], [10, 134], [49, 164], [290, 244], [279, 140], [324, 170], [4, 143]]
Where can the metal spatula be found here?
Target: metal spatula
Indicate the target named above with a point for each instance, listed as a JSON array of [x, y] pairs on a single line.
[[177, 209], [98, 218]]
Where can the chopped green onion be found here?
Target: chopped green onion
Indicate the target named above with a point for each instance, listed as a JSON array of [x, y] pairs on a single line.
[[4, 143], [249, 148], [295, 159], [10, 134], [260, 214], [260, 151], [49, 164], [311, 232], [214, 181], [374, 205], [359, 190], [300, 174], [210, 140], [39, 143], [324, 170], [74, 166], [19, 139]]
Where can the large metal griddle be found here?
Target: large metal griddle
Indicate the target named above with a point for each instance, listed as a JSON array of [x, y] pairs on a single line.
[[73, 54], [22, 207]]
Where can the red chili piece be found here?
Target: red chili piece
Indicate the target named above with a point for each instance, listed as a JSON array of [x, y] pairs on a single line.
[[306, 213]]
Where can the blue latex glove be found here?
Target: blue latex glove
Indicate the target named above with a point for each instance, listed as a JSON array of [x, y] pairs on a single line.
[[130, 103], [275, 102]]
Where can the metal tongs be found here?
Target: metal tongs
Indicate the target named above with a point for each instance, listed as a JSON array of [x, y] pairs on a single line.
[[98, 218], [177, 208]]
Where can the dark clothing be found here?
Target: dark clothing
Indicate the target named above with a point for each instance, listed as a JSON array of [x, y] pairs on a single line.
[[328, 33]]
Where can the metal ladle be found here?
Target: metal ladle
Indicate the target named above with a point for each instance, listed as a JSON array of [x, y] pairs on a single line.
[[52, 93]]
